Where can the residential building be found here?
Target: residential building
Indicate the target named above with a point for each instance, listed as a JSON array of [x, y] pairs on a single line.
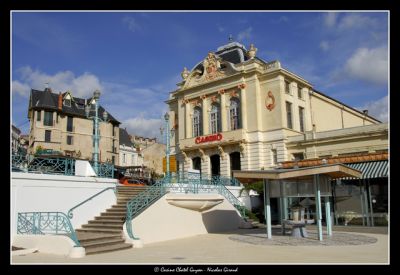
[[153, 157], [58, 122], [15, 139], [142, 142], [129, 155]]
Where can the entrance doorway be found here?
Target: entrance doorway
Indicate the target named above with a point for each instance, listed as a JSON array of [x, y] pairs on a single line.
[[196, 163], [235, 161], [215, 165]]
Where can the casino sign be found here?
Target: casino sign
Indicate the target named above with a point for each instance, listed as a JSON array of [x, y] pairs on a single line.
[[214, 137]]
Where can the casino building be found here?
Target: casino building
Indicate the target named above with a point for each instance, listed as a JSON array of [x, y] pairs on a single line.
[[235, 111]]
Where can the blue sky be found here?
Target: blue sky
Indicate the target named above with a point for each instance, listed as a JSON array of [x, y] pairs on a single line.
[[135, 58]]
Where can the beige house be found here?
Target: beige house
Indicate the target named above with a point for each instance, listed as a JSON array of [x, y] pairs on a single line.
[[58, 122], [234, 111]]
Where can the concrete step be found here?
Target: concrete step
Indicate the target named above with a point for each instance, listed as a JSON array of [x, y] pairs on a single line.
[[88, 237], [119, 206], [113, 214], [102, 243], [116, 210], [108, 248], [106, 221], [108, 218], [103, 225], [99, 230]]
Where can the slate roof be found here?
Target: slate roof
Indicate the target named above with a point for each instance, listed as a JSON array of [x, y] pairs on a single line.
[[124, 138], [49, 100]]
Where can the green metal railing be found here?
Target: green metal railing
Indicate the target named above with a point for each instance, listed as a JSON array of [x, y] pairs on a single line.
[[180, 183], [143, 200], [41, 223], [70, 212], [55, 165]]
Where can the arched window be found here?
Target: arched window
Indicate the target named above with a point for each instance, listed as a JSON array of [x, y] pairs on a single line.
[[197, 122], [234, 114], [215, 117]]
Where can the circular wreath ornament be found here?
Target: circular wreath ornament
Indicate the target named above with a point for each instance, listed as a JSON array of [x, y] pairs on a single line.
[[270, 101]]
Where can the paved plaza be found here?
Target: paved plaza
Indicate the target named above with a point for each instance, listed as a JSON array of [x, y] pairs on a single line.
[[244, 246]]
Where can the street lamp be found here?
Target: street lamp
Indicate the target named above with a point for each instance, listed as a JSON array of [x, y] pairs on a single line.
[[96, 119], [168, 134]]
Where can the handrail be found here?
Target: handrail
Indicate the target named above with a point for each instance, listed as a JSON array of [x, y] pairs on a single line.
[[39, 223], [141, 201], [70, 214]]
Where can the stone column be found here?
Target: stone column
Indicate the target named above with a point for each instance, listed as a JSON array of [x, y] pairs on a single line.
[[205, 164], [224, 163], [188, 122], [224, 116], [205, 114], [243, 105]]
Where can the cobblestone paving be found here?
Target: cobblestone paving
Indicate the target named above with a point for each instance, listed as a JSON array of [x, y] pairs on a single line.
[[337, 239]]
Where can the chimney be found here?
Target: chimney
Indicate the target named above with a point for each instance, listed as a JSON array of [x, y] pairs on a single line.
[[365, 112], [59, 101]]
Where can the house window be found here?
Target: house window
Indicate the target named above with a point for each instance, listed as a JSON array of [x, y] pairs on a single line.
[[67, 102], [113, 159], [70, 123], [287, 87], [301, 118], [215, 119], [47, 135], [289, 115], [234, 114], [70, 140], [123, 158], [299, 93], [274, 157], [48, 118], [38, 115], [298, 156], [197, 122], [113, 130]]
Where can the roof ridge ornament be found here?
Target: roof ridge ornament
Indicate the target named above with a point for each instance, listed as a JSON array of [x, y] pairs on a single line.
[[252, 51]]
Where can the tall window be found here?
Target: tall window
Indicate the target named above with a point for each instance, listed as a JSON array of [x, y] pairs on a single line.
[[48, 118], [301, 118], [274, 157], [38, 115], [234, 114], [287, 87], [215, 116], [47, 135], [197, 122], [70, 123], [67, 102], [70, 140], [123, 158], [299, 93], [289, 115]]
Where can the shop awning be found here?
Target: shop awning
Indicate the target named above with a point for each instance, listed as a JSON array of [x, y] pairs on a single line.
[[372, 169]]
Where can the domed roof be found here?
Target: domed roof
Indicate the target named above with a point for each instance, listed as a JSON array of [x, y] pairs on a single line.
[[233, 52]]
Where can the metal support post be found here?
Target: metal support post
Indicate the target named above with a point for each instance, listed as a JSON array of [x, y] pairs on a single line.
[[328, 217], [267, 209], [318, 205]]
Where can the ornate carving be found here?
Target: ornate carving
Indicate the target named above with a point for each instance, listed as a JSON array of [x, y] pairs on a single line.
[[202, 154], [185, 156], [270, 101], [234, 94], [221, 92], [211, 66], [203, 97], [195, 102], [184, 101], [185, 73], [242, 147], [252, 51], [221, 152], [242, 86]]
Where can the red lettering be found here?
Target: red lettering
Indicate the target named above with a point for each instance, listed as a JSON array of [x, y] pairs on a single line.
[[209, 138]]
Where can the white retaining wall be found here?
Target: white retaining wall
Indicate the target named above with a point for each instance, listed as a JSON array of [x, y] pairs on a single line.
[[56, 193]]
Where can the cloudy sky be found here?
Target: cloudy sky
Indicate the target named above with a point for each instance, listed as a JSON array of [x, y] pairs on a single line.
[[135, 58]]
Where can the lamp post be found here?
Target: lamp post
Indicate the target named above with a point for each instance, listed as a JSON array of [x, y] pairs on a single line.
[[96, 120], [168, 134]]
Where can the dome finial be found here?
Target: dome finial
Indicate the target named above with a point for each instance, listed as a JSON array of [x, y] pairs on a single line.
[[230, 38]]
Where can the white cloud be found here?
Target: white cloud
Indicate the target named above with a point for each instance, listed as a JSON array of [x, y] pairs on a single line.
[[353, 20], [20, 88], [131, 23], [330, 19], [377, 109], [246, 34], [220, 27], [324, 45], [283, 19], [147, 127], [369, 64], [81, 86]]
